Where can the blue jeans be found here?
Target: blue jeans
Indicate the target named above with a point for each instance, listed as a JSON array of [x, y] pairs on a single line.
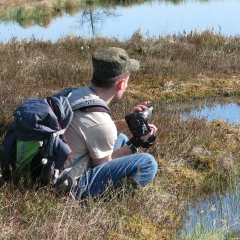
[[141, 166]]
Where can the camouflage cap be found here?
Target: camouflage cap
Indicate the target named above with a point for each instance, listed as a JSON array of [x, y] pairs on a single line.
[[111, 62]]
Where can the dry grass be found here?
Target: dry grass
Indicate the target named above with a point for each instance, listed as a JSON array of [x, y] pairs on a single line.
[[39, 215], [195, 157]]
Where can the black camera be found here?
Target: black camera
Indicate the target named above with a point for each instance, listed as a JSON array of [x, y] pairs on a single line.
[[138, 122]]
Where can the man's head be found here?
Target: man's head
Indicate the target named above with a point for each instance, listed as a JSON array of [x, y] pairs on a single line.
[[109, 64]]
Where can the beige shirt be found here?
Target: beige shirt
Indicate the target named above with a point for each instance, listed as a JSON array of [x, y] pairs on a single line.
[[89, 132]]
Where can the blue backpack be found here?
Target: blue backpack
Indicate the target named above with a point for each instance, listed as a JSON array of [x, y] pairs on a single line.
[[34, 145]]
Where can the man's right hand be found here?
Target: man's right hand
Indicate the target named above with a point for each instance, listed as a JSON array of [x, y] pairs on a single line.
[[141, 106]]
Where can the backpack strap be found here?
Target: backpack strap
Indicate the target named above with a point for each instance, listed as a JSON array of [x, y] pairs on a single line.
[[91, 105], [62, 177], [88, 105], [52, 140], [67, 92], [95, 109]]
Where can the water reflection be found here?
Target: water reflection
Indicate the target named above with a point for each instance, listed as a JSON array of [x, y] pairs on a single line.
[[229, 113], [94, 18], [226, 109], [218, 214], [153, 18]]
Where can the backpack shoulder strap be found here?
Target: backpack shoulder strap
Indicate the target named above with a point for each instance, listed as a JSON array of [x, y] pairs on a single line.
[[88, 105], [64, 93], [91, 105]]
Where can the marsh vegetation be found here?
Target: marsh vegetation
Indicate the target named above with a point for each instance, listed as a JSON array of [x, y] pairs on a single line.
[[196, 157]]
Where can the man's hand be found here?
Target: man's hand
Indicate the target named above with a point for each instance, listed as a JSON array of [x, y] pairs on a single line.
[[143, 133], [153, 131], [141, 106], [145, 141], [150, 138]]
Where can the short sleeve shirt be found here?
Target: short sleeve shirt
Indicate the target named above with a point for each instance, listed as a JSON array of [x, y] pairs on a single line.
[[89, 132]]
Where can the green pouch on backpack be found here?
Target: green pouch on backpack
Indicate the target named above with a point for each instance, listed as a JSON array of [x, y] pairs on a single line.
[[26, 151]]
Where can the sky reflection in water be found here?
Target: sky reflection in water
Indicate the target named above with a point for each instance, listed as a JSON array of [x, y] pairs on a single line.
[[154, 19], [227, 112], [219, 213]]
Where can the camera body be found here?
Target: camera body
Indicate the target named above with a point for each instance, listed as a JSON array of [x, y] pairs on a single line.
[[138, 122]]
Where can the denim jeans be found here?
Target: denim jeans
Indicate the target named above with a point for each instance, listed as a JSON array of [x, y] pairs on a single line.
[[141, 166]]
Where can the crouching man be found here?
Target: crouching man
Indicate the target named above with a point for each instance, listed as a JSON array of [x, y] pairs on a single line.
[[102, 154]]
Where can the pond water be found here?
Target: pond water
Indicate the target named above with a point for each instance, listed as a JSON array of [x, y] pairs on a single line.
[[217, 213], [227, 112], [153, 19]]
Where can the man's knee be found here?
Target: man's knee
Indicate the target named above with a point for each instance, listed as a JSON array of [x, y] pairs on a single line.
[[154, 164], [150, 163]]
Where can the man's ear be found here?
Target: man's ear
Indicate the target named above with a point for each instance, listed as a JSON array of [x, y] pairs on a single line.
[[120, 84]]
